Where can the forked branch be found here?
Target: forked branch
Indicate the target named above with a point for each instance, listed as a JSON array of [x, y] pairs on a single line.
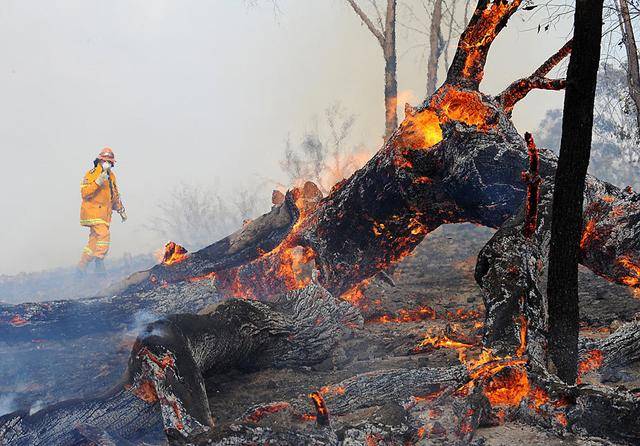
[[538, 80], [379, 34]]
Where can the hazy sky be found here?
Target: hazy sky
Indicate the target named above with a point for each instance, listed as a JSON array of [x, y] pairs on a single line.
[[201, 91]]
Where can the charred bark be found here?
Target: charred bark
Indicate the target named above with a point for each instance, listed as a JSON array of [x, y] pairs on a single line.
[[568, 193]]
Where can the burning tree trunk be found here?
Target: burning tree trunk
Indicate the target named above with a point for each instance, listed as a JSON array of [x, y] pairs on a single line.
[[455, 158]]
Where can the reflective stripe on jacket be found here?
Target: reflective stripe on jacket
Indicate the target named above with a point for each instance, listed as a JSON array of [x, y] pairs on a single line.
[[98, 201]]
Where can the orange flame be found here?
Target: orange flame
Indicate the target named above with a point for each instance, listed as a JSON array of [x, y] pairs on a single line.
[[464, 106], [332, 390], [173, 253], [508, 388], [355, 295], [322, 413]]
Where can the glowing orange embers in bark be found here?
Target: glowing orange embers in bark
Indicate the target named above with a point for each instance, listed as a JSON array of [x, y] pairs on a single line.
[[633, 271], [508, 388], [322, 413], [420, 130], [332, 390], [452, 338], [260, 412], [478, 37], [173, 253], [463, 106], [423, 129], [592, 361], [295, 265], [588, 234]]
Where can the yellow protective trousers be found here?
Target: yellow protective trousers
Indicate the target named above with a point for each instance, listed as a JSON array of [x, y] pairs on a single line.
[[98, 245]]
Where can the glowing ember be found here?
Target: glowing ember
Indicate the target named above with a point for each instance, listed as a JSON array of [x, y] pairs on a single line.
[[322, 414], [463, 315], [442, 341], [211, 276], [592, 361], [588, 234], [562, 419], [145, 390], [633, 271], [403, 315], [356, 294], [508, 388], [466, 107], [538, 398], [18, 321], [173, 253], [332, 390], [260, 412], [421, 130], [476, 39], [292, 266]]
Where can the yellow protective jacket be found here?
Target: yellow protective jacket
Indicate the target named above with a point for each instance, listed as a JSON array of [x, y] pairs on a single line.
[[98, 201]]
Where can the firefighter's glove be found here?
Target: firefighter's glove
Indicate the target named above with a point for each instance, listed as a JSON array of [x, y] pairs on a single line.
[[123, 215], [102, 178]]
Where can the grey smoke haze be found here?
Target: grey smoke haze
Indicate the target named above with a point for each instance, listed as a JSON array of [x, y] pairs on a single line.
[[193, 91]]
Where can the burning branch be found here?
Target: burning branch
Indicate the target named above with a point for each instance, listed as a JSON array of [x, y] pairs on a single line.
[[533, 180], [322, 414], [488, 19], [538, 80]]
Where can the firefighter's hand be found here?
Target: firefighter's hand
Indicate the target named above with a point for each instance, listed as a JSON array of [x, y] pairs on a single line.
[[102, 178], [123, 215]]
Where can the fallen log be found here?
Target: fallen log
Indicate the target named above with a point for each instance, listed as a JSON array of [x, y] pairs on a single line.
[[166, 367]]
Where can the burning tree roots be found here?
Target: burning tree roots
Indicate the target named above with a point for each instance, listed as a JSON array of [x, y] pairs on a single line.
[[455, 158]]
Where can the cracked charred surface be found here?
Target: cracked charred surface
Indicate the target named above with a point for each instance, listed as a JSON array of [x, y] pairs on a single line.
[[511, 265]]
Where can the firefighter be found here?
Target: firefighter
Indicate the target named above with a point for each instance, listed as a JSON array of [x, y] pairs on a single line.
[[100, 197]]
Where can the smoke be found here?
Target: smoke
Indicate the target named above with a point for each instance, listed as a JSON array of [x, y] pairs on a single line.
[[141, 319], [140, 327], [7, 403], [37, 406]]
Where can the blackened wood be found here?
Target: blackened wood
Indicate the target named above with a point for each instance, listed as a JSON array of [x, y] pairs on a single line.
[[568, 196]]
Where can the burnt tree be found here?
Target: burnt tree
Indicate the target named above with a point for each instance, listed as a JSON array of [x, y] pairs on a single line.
[[455, 158], [568, 193]]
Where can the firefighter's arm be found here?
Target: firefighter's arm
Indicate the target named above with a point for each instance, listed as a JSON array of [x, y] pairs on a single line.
[[117, 202], [89, 185]]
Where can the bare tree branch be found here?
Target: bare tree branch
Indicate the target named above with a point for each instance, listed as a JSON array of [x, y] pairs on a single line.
[[367, 21]]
